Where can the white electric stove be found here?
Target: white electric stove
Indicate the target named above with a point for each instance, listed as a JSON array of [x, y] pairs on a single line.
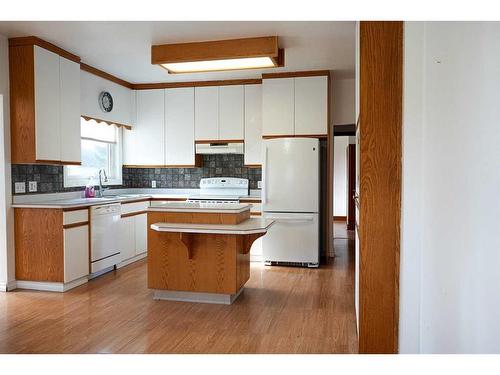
[[221, 190]]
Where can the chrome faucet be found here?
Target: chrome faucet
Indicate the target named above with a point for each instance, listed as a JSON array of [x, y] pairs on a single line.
[[101, 188]]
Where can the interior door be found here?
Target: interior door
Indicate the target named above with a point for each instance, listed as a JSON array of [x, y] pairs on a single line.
[[291, 175]]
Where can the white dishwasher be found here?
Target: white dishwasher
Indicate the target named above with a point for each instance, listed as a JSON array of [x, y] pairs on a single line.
[[104, 231]]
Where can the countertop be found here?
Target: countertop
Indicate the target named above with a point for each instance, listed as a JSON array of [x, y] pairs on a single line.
[[229, 208], [249, 226], [73, 200]]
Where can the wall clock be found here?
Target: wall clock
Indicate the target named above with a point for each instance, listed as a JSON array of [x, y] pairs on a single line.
[[105, 101]]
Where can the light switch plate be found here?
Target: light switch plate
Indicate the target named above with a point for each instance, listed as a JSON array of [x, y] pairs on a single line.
[[20, 187], [153, 183], [259, 184], [32, 186]]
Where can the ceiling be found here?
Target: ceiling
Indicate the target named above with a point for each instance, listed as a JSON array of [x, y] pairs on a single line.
[[124, 48]]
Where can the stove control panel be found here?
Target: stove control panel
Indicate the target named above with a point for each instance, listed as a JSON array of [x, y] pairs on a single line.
[[223, 183]]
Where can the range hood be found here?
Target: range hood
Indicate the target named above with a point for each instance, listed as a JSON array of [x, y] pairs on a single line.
[[219, 148]]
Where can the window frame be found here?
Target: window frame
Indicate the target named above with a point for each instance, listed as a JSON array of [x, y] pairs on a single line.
[[81, 181]]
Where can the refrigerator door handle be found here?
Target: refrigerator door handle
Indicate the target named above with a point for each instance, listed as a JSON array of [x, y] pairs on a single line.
[[290, 218]]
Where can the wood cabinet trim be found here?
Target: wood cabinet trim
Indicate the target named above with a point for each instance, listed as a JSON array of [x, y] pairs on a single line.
[[68, 209], [295, 136], [97, 72], [173, 85], [304, 73], [118, 124], [245, 200], [35, 41], [252, 165], [74, 225], [207, 141], [129, 214], [170, 199]]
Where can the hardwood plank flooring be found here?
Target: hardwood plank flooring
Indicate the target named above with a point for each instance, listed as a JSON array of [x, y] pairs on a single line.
[[282, 310]]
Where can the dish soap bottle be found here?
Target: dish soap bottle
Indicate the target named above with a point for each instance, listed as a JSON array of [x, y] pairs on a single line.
[[89, 189]]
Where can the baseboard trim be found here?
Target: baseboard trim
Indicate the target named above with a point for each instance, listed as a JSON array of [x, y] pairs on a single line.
[[132, 260], [340, 218], [47, 286], [182, 296]]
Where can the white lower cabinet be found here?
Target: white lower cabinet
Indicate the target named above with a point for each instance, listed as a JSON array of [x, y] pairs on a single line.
[[141, 233], [127, 237], [133, 236], [76, 253]]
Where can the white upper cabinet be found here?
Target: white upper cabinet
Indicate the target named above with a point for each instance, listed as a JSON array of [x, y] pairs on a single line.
[[179, 126], [148, 132], [47, 105], [253, 124], [70, 110], [311, 105], [123, 97], [231, 112], [206, 113], [278, 105]]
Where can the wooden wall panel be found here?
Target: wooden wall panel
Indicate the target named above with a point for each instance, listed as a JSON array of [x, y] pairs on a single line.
[[39, 244], [380, 124]]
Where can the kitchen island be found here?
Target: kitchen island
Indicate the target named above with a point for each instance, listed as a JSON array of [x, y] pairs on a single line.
[[200, 252]]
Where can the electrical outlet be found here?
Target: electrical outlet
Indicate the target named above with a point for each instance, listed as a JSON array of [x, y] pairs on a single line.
[[32, 186], [259, 184], [20, 187], [153, 183]]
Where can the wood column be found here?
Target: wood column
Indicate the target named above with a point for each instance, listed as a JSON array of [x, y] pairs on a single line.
[[380, 126]]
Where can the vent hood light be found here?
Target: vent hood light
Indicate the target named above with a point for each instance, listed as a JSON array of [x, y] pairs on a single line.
[[217, 65], [219, 55]]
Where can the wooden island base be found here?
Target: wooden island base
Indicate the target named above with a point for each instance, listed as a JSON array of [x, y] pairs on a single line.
[[207, 262]]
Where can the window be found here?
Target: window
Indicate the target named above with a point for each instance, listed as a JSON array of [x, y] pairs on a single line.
[[101, 149]]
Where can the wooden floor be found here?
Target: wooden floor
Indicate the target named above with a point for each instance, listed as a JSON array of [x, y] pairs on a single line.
[[282, 310]]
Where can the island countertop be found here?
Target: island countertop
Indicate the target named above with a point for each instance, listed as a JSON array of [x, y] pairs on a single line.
[[249, 226], [229, 208]]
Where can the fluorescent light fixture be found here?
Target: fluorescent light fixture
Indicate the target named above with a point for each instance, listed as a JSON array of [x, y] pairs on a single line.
[[219, 55], [217, 65]]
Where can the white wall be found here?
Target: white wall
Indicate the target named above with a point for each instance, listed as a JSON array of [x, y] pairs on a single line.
[[343, 101], [411, 200], [340, 174], [7, 265], [123, 103], [457, 141]]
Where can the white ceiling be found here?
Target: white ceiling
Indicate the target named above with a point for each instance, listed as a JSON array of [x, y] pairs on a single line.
[[124, 48]]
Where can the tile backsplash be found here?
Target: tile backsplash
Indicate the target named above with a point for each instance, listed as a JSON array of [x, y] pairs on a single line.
[[49, 178], [225, 165]]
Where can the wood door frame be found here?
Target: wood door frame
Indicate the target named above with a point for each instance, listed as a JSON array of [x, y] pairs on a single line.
[[351, 186], [380, 126]]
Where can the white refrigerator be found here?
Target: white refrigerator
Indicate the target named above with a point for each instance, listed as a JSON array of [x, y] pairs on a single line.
[[290, 197]]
